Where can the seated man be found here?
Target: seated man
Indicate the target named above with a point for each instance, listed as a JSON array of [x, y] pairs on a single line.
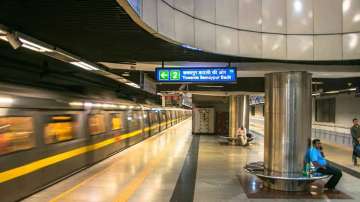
[[242, 136], [322, 166]]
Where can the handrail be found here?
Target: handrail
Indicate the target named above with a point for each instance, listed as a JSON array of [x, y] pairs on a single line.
[[333, 126]]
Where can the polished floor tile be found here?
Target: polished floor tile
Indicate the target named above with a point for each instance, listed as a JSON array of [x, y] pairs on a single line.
[[150, 171], [144, 172]]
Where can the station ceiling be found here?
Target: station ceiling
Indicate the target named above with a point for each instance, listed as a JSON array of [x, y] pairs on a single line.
[[25, 67], [95, 30], [101, 31]]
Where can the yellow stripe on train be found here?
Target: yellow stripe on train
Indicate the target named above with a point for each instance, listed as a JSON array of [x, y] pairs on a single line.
[[42, 163]]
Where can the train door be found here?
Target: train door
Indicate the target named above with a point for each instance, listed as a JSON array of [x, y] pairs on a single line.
[[134, 123], [163, 124], [168, 119], [154, 122], [146, 124]]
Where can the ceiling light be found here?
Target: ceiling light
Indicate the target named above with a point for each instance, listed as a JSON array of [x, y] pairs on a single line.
[[3, 38], [122, 80], [133, 84], [76, 104], [3, 34], [109, 105], [123, 106], [33, 46], [84, 66], [98, 105], [298, 6], [88, 104], [275, 47], [356, 18], [346, 5], [190, 47], [317, 82], [332, 92], [6, 100], [126, 74], [13, 40], [353, 41]]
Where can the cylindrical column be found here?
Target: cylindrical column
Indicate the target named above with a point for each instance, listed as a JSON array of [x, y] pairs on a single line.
[[243, 111], [233, 116], [238, 113], [287, 125]]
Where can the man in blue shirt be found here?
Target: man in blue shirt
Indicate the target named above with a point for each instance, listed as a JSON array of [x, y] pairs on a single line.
[[322, 166]]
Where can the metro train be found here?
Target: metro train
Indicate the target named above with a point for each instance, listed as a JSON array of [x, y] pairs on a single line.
[[46, 136]]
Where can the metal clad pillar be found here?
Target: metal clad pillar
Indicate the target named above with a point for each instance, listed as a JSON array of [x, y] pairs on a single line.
[[233, 116], [287, 125], [243, 111], [238, 113]]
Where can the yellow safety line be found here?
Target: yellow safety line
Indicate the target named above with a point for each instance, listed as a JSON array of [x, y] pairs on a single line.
[[39, 164], [130, 189], [136, 182], [63, 194]]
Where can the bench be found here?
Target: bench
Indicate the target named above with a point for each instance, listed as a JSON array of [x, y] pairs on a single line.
[[288, 183], [231, 140]]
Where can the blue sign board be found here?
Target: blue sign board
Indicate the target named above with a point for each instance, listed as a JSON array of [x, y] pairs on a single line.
[[196, 75]]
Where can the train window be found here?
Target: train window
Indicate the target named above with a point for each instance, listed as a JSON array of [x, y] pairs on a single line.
[[96, 124], [117, 122], [153, 117], [16, 133], [134, 119], [163, 116], [59, 128], [146, 118]]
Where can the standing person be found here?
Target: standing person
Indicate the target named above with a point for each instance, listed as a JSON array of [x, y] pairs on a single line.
[[322, 166], [355, 134], [241, 134]]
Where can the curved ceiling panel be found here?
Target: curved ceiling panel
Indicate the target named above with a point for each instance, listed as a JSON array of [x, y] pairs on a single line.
[[102, 31], [306, 30]]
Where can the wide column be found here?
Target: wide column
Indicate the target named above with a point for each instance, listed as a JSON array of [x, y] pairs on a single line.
[[287, 126], [233, 117], [243, 111], [238, 113]]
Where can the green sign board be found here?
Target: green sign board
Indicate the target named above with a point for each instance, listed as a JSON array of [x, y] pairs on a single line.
[[164, 75], [174, 75]]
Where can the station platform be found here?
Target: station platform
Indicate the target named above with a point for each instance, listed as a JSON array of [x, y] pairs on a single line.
[[178, 166]]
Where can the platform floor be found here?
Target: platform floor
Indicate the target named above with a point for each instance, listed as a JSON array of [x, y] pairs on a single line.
[[177, 166]]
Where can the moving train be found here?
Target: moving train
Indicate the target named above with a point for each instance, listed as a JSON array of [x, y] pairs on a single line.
[[46, 136]]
